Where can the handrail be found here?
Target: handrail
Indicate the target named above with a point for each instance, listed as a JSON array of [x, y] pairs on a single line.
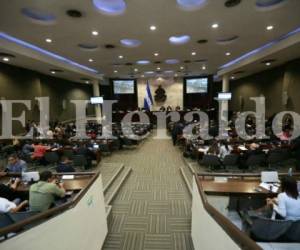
[[242, 175], [233, 232], [53, 211]]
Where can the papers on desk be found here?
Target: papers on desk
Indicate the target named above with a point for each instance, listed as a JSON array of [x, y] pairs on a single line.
[[243, 148], [270, 187], [68, 177], [220, 179]]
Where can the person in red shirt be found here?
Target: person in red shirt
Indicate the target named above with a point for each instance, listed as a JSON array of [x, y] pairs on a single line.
[[39, 151]]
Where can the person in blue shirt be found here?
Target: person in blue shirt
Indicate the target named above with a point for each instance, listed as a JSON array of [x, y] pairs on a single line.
[[65, 166], [16, 165]]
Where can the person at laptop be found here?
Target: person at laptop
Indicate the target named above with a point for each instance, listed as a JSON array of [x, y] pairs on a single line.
[[43, 193], [7, 206], [287, 203], [10, 191], [65, 165], [16, 165]]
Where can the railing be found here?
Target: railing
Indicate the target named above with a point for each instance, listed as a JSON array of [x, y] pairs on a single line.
[[53, 211], [239, 237]]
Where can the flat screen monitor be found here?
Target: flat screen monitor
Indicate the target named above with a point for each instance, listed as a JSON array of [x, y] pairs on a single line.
[[224, 96], [97, 100], [123, 86], [196, 85]]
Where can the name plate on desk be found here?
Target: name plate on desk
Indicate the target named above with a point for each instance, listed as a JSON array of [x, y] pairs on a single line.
[[68, 177], [220, 179]]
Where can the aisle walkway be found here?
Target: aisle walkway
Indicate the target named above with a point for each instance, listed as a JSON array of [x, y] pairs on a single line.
[[153, 208]]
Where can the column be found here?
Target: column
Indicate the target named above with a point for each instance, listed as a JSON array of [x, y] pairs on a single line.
[[224, 104], [96, 92]]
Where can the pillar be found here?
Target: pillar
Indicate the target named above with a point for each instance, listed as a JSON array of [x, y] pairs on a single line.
[[96, 92]]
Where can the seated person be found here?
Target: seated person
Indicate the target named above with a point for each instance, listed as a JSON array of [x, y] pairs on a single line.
[[27, 149], [7, 206], [214, 149], [43, 193], [65, 165], [225, 149], [287, 203], [39, 150], [16, 165], [10, 192]]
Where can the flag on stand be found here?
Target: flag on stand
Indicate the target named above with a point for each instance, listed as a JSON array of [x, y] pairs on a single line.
[[148, 101]]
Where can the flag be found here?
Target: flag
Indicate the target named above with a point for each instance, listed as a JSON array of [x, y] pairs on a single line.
[[148, 101]]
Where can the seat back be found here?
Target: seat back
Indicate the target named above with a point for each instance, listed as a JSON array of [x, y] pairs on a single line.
[[269, 230], [231, 160], [293, 233], [79, 161], [51, 157], [210, 160], [69, 154], [5, 220], [256, 160]]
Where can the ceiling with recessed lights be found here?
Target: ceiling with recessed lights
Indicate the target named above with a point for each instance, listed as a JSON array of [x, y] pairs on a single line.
[[122, 38]]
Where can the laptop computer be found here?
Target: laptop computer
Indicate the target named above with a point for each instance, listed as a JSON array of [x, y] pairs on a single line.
[[269, 176]]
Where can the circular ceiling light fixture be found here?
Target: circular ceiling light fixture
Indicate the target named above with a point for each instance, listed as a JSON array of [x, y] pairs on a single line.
[[88, 46], [130, 43], [6, 57], [143, 62], [171, 61], [110, 7], [269, 4], [191, 4], [227, 40], [179, 40], [37, 15]]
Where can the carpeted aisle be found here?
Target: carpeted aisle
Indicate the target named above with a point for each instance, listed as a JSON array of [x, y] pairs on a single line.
[[153, 207]]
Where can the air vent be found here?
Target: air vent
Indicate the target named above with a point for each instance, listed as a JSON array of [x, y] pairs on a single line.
[[74, 13], [109, 46], [202, 41], [232, 3]]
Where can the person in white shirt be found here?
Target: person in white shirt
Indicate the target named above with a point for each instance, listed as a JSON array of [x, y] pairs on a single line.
[[7, 206], [287, 203], [225, 149]]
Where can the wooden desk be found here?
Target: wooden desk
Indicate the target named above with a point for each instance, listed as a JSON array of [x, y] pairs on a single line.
[[232, 187]]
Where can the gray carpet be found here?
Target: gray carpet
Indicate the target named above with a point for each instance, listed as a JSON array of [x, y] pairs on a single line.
[[153, 208]]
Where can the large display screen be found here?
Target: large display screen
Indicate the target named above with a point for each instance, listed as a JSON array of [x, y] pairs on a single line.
[[96, 100], [123, 86], [196, 85]]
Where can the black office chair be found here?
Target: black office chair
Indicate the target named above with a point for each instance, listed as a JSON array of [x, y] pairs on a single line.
[[230, 160], [255, 161], [274, 159], [51, 157], [5, 221], [80, 161], [210, 161], [69, 154]]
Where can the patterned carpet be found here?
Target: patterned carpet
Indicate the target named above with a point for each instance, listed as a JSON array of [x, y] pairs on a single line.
[[153, 207]]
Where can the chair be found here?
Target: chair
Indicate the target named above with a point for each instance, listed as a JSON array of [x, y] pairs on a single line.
[[19, 216], [267, 230], [274, 158], [211, 161], [51, 157], [5, 221], [255, 160], [293, 233], [79, 161], [69, 154], [104, 148], [230, 160]]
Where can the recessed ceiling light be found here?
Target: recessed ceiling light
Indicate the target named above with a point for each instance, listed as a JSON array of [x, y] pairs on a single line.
[[52, 72], [158, 68], [48, 40], [228, 54], [215, 26], [203, 67], [268, 63], [115, 71], [194, 53], [136, 70], [87, 82], [91, 60], [175, 75], [143, 62], [179, 40], [156, 54], [95, 33], [142, 76], [232, 77], [121, 57], [270, 27], [5, 59], [181, 67], [152, 27]]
